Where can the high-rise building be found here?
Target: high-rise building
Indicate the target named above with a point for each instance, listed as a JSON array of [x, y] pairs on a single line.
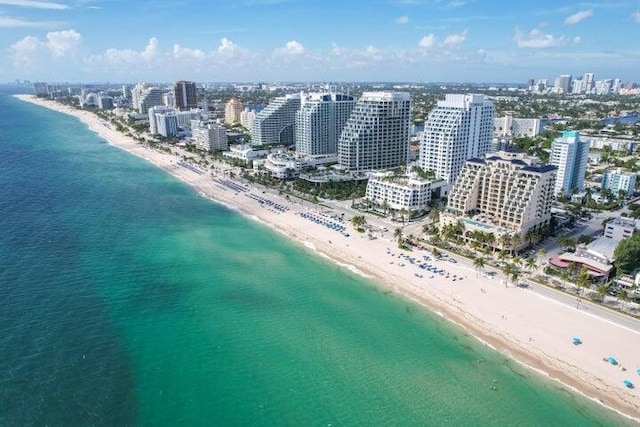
[[274, 124], [153, 123], [505, 193], [144, 96], [376, 135], [563, 84], [105, 102], [247, 118], [41, 89], [320, 121], [209, 136], [511, 126], [185, 95], [588, 82], [457, 129], [570, 155], [232, 111]]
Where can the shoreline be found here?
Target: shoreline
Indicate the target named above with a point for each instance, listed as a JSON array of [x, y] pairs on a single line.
[[532, 331]]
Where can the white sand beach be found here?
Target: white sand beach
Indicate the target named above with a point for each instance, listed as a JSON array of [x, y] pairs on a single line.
[[518, 322]]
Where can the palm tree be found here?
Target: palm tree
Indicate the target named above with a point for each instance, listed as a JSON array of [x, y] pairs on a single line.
[[515, 275], [530, 263], [478, 263], [582, 280], [603, 290], [517, 260], [508, 270], [505, 241], [397, 233], [358, 221], [623, 296]]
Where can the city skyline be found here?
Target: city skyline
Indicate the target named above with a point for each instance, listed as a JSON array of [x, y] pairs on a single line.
[[296, 40]]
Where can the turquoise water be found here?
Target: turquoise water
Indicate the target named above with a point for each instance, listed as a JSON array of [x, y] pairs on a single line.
[[127, 299]]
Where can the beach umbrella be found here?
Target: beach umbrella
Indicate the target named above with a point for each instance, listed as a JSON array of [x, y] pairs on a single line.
[[577, 340], [628, 383], [638, 371], [612, 361]]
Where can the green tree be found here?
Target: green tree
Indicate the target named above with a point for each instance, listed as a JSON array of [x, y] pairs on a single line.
[[358, 222], [583, 279], [478, 263], [397, 233], [627, 254], [530, 263], [623, 296], [602, 292]]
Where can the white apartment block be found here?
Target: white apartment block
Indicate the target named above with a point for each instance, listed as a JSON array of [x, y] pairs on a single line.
[[376, 135], [504, 193], [153, 122], [616, 180], [570, 155], [320, 121], [167, 124], [247, 118], [274, 124], [401, 192], [510, 126], [209, 136], [458, 128]]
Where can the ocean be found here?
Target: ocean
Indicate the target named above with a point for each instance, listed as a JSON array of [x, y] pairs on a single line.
[[126, 299]]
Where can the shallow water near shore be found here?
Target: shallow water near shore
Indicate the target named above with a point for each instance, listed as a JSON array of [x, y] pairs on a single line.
[[128, 299]]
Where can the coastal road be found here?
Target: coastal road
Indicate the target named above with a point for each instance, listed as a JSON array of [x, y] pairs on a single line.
[[585, 306]]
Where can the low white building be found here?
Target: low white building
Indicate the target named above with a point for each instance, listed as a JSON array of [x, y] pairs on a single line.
[[284, 165], [620, 145], [402, 192], [245, 153], [511, 126], [616, 180]]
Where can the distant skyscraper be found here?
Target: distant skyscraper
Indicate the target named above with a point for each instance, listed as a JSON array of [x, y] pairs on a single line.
[[185, 95], [570, 155], [232, 111], [457, 129], [275, 123], [563, 84], [150, 97], [320, 121], [588, 82], [376, 135]]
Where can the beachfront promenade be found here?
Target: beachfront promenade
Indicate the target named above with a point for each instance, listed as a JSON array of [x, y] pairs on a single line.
[[534, 326]]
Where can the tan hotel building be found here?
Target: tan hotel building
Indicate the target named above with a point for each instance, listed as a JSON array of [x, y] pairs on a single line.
[[504, 193]]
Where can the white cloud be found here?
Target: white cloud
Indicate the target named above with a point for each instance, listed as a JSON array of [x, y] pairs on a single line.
[[8, 22], [636, 16], [151, 49], [227, 46], [537, 39], [427, 41], [455, 39], [35, 4], [61, 43], [402, 20], [579, 16], [185, 53], [291, 48]]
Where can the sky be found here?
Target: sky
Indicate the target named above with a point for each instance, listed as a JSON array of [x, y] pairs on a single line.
[[478, 41]]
